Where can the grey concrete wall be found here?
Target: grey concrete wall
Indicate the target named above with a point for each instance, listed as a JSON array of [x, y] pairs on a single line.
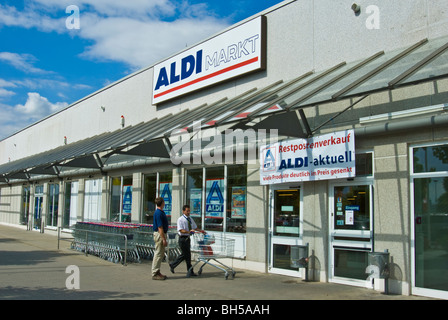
[[257, 217]]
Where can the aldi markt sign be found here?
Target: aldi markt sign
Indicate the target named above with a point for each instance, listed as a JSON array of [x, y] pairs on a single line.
[[228, 55], [329, 156]]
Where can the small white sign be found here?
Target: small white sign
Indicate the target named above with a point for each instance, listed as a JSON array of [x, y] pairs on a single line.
[[349, 217]]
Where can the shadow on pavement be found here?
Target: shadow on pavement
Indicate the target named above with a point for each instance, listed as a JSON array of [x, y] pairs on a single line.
[[24, 293]]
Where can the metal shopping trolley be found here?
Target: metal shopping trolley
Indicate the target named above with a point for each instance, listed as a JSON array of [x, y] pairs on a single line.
[[209, 248]]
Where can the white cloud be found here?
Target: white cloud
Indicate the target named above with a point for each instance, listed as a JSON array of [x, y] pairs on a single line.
[[116, 38], [41, 83], [137, 32], [115, 7], [4, 92], [5, 84], [37, 107], [17, 117], [23, 62], [30, 18]]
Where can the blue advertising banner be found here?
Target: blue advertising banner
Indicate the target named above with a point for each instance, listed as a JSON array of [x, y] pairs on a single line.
[[214, 204], [165, 190], [127, 200]]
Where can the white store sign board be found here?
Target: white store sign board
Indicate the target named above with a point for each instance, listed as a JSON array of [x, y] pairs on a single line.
[[329, 156], [228, 55]]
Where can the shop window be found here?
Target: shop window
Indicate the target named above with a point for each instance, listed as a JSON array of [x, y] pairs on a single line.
[[287, 212], [121, 199], [350, 263], [38, 205], [149, 196], [165, 190], [352, 205], [24, 216], [364, 164], [214, 199], [157, 185], [236, 198], [92, 200], [53, 205], [216, 203], [194, 194], [71, 204], [430, 159], [282, 257]]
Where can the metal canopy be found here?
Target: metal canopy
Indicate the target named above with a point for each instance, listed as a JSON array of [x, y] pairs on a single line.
[[277, 106], [156, 148], [88, 161]]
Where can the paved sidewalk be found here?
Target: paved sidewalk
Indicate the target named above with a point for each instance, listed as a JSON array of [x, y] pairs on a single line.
[[32, 268]]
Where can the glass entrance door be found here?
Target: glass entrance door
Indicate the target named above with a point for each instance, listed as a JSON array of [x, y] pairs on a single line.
[[285, 228], [429, 223], [431, 234], [350, 232]]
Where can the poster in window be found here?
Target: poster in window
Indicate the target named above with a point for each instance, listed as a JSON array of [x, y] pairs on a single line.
[[195, 202], [214, 203], [165, 190], [127, 200], [238, 210], [349, 217]]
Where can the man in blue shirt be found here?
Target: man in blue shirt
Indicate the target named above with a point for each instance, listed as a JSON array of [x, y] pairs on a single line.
[[160, 238]]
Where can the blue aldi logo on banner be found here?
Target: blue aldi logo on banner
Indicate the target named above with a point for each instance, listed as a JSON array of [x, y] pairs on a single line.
[[127, 199], [166, 195], [269, 159], [214, 204]]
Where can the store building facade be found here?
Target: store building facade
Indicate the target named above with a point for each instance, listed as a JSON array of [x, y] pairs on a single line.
[[195, 128]]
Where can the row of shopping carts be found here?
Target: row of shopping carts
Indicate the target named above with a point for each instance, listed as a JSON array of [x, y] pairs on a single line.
[[130, 242], [120, 241]]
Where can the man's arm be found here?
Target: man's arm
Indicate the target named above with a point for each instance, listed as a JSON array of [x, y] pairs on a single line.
[[162, 235]]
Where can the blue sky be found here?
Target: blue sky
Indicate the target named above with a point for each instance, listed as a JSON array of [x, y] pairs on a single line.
[[47, 63]]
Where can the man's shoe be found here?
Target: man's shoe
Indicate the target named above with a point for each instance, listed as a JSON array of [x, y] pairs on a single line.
[[158, 277], [192, 274], [171, 268]]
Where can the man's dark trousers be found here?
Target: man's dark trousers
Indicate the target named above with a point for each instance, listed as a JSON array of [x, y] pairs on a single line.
[[184, 244]]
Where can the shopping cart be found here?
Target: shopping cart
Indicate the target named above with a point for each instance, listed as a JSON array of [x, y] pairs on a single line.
[[209, 248]]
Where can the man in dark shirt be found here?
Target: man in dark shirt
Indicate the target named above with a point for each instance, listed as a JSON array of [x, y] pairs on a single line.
[[160, 238]]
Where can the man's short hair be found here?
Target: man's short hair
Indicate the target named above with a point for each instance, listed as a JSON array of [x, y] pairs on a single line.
[[185, 207], [159, 201]]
